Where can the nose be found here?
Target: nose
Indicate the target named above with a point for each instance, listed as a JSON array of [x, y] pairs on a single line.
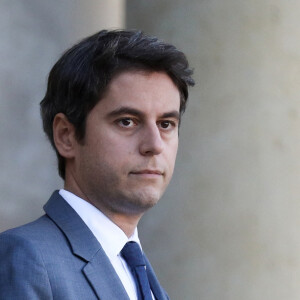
[[151, 142]]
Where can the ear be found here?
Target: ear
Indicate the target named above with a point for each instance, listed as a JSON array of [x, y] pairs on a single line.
[[64, 136]]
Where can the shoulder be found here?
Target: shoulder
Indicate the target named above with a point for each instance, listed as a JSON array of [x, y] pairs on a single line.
[[27, 240], [31, 231], [22, 264], [18, 242], [39, 236]]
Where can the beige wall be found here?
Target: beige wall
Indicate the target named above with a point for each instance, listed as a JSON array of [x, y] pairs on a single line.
[[33, 35], [232, 214]]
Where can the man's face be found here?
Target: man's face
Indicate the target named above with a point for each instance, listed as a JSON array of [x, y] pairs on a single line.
[[128, 154]]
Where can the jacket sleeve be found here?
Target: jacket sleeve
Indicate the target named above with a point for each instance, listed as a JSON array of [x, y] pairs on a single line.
[[22, 271]]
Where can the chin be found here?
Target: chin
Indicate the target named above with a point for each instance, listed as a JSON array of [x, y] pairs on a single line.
[[142, 201]]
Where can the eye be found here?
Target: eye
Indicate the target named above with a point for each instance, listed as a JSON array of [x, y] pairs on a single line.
[[126, 122], [166, 124]]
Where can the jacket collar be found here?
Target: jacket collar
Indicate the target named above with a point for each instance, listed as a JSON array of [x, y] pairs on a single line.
[[98, 270]]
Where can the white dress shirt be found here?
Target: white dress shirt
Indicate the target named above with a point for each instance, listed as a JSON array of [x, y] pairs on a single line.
[[109, 235]]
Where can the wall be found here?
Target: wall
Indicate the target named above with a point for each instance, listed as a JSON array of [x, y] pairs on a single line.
[[228, 226], [34, 33]]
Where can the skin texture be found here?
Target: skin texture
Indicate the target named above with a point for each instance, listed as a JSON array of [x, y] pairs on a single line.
[[127, 157]]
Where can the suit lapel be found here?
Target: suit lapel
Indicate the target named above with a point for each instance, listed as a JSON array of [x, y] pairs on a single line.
[[98, 270], [156, 288], [104, 279]]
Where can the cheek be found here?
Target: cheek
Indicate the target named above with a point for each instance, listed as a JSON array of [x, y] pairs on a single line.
[[116, 152], [173, 148], [122, 148], [171, 154]]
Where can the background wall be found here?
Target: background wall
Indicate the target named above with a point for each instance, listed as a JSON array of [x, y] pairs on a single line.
[[227, 228], [33, 35], [232, 214]]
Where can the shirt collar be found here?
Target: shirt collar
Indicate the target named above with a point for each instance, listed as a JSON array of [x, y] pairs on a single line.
[[109, 235]]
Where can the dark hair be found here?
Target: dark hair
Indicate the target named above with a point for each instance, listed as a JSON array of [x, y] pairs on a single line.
[[80, 77]]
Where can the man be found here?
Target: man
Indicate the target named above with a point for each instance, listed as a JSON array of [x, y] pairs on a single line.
[[112, 112]]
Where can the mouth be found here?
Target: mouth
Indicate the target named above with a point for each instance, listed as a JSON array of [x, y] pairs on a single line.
[[148, 173]]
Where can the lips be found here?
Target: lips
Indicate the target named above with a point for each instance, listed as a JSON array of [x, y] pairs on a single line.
[[147, 172]]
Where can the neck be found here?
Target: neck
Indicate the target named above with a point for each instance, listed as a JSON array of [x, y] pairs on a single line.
[[126, 222]]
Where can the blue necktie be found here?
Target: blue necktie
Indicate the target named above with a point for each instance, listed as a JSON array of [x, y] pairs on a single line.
[[134, 257]]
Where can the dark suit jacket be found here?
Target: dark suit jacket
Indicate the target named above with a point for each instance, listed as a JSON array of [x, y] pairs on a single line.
[[58, 257]]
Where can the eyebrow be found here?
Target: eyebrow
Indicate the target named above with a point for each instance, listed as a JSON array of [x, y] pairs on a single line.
[[135, 112]]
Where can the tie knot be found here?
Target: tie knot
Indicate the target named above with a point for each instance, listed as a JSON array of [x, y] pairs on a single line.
[[133, 255]]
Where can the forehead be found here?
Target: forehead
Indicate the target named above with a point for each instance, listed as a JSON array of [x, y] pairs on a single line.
[[147, 91]]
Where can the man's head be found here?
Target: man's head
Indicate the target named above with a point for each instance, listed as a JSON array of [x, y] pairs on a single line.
[[80, 78]]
